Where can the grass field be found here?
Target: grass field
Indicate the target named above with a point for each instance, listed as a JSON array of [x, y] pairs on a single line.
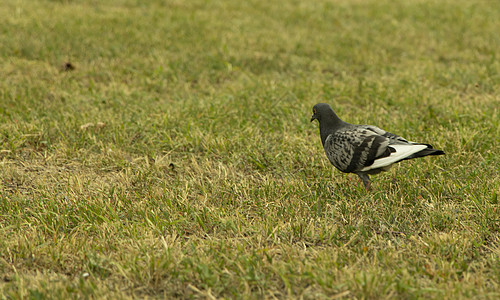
[[163, 149]]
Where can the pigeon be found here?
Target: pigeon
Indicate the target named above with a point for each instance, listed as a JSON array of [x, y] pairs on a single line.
[[363, 149]]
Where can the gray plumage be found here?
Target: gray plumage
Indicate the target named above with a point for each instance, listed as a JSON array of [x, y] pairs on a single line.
[[363, 149]]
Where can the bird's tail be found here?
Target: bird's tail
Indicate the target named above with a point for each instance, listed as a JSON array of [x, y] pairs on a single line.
[[427, 151]]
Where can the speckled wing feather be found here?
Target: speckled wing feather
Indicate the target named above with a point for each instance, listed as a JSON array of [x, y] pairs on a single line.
[[352, 148]]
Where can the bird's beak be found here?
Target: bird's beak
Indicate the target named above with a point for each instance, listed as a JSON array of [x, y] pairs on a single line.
[[314, 118]]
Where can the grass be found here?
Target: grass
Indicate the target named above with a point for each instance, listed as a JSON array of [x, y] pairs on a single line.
[[177, 158]]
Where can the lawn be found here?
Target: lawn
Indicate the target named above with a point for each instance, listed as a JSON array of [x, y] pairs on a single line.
[[163, 149]]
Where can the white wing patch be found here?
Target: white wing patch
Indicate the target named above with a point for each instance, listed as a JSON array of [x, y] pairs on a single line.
[[402, 151]]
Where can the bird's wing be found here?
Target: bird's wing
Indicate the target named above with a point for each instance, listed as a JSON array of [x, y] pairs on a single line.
[[401, 151], [393, 139], [354, 148]]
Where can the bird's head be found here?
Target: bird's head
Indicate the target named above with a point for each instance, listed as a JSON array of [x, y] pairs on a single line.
[[322, 111]]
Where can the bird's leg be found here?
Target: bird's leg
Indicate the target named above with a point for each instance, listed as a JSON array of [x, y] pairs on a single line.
[[368, 185], [366, 180]]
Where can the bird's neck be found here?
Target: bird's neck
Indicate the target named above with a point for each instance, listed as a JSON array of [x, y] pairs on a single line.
[[329, 126]]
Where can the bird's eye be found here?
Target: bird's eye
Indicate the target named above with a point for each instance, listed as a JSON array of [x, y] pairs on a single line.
[[314, 111]]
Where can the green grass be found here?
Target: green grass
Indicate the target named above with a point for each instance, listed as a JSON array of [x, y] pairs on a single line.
[[177, 159]]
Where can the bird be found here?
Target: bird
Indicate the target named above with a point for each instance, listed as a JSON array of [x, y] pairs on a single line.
[[363, 149]]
